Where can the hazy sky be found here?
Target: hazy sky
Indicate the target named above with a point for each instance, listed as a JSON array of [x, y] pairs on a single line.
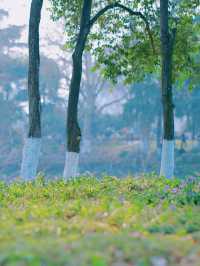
[[19, 11]]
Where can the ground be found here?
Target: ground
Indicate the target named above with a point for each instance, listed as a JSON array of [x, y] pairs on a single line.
[[108, 222]]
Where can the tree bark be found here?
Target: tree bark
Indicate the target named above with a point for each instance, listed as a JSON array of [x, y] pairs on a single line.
[[33, 72], [167, 40], [33, 143], [73, 129]]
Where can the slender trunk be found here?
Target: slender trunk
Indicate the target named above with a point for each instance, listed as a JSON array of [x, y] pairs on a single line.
[[193, 129], [167, 160], [88, 118], [145, 148], [89, 105], [159, 133], [86, 139], [32, 145], [73, 129]]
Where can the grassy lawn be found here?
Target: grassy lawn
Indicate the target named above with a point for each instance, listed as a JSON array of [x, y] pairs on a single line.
[[109, 222]]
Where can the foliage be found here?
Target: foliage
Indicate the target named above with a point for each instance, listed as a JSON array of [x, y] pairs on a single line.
[[121, 43], [87, 221]]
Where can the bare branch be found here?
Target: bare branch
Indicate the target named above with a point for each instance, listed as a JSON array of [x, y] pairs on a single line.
[[112, 102]]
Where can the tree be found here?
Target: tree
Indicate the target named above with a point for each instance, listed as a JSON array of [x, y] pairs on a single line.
[[91, 86], [174, 22], [97, 95], [11, 69], [167, 45], [144, 96], [32, 146], [188, 108], [86, 22], [73, 129], [180, 20]]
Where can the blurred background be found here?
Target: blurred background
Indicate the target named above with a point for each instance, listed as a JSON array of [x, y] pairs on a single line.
[[121, 125]]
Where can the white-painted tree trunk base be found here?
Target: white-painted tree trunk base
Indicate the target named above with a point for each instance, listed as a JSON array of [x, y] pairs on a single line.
[[30, 158], [167, 159], [71, 169]]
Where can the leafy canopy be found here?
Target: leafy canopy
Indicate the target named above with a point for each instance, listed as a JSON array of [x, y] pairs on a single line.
[[121, 43]]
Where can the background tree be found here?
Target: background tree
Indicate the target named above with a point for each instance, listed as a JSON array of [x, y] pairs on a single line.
[[97, 96], [144, 95], [117, 137], [12, 75]]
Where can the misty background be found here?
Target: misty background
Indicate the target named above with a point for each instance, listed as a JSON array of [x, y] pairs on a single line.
[[121, 125]]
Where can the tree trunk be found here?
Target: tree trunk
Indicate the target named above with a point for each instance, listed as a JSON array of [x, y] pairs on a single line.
[[32, 145], [89, 112], [145, 148], [73, 129], [159, 133], [167, 160], [193, 129], [87, 135]]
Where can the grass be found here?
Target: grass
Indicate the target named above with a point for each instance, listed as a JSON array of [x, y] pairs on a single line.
[[109, 222]]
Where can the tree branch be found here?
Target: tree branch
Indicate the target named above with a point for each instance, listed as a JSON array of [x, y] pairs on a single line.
[[100, 109], [131, 12]]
